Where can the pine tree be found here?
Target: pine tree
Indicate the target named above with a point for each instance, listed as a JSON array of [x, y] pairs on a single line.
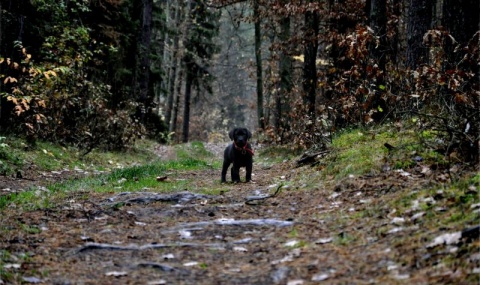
[[199, 50]]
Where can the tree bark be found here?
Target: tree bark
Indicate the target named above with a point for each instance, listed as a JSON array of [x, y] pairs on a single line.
[[312, 21], [173, 69], [281, 101], [419, 20], [144, 54], [258, 62], [186, 103], [189, 66], [176, 102], [378, 22]]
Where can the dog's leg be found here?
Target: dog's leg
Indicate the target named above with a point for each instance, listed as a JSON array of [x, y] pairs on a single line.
[[226, 164], [227, 160], [249, 172], [235, 173]]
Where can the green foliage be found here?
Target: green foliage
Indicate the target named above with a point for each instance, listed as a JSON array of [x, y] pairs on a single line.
[[358, 151], [201, 43], [193, 149], [10, 158], [54, 101], [276, 154], [62, 90], [3, 154]]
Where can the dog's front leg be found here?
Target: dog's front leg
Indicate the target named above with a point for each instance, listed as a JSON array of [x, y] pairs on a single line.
[[226, 164], [249, 172], [235, 173]]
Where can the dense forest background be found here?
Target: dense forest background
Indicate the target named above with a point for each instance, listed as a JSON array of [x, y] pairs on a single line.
[[101, 73]]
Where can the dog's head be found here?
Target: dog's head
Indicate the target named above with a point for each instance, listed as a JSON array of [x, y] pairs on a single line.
[[240, 136]]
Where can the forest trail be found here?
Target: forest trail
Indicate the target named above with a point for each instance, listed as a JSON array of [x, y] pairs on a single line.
[[346, 234]]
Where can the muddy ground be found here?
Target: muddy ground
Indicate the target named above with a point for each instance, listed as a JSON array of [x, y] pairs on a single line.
[[345, 233]]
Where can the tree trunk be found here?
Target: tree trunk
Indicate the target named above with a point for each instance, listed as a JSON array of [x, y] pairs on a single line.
[[189, 73], [312, 22], [461, 18], [173, 69], [419, 19], [281, 101], [378, 22], [144, 56], [395, 40], [258, 61], [186, 103], [176, 101], [167, 57]]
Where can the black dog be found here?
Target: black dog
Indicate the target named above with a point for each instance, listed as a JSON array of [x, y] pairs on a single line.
[[240, 153]]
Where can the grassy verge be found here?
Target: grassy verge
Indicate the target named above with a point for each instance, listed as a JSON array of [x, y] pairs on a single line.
[[363, 151], [137, 169]]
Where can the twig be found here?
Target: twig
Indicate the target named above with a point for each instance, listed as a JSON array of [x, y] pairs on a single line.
[[250, 199]]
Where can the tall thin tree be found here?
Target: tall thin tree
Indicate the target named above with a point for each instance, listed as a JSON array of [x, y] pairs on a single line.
[[378, 22], [258, 62], [312, 21], [143, 69], [419, 21], [286, 82]]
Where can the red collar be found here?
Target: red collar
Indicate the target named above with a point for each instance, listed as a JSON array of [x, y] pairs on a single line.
[[243, 149]]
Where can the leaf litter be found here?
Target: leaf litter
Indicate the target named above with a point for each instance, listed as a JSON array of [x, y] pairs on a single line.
[[344, 234]]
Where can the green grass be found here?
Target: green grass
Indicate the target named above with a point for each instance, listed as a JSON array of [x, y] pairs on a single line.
[[271, 155], [136, 178], [362, 151], [134, 170], [449, 206]]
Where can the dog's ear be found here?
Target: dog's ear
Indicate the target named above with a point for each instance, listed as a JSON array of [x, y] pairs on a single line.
[[231, 133], [249, 134]]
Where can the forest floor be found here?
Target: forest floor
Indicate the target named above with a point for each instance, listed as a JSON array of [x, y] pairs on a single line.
[[328, 232]]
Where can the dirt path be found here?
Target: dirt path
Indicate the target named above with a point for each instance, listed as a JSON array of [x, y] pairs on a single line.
[[300, 236]]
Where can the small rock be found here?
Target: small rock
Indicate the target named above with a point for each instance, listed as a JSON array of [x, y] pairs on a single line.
[[280, 274], [291, 243], [116, 273], [34, 280], [395, 230], [168, 256], [239, 249], [398, 220], [320, 277], [157, 282], [295, 282], [448, 238], [323, 240], [191, 263]]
